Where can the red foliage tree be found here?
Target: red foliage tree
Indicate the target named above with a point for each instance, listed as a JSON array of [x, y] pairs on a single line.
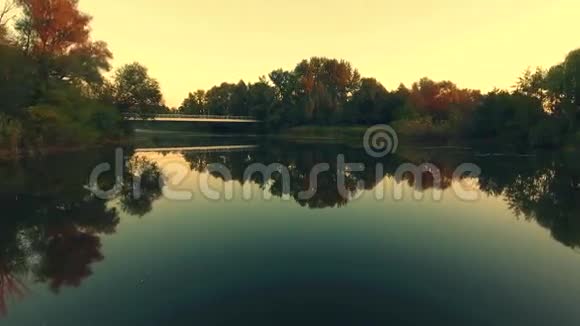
[[56, 25], [58, 33], [439, 99]]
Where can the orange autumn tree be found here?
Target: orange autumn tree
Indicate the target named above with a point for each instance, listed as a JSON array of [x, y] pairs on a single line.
[[440, 100], [57, 33]]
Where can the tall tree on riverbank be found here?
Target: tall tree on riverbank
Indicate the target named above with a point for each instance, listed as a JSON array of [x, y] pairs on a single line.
[[563, 80], [135, 91], [57, 34], [372, 103], [558, 88], [326, 85], [572, 77], [195, 103], [441, 100], [51, 77], [53, 26]]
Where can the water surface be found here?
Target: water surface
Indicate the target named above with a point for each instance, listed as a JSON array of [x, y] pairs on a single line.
[[510, 257]]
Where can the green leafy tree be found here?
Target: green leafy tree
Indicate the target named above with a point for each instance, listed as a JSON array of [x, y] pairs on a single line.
[[513, 116], [557, 88], [219, 99], [287, 109], [240, 105], [372, 104], [261, 102], [51, 76], [571, 87], [135, 90], [572, 77], [532, 83], [17, 80], [325, 86], [195, 103]]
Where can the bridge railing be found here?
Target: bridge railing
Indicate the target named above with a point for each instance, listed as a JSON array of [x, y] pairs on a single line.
[[187, 116]]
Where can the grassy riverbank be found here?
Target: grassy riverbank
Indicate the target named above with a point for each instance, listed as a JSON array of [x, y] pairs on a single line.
[[411, 132], [406, 131]]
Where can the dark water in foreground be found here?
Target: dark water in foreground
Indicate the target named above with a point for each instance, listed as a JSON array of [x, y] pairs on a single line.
[[512, 257]]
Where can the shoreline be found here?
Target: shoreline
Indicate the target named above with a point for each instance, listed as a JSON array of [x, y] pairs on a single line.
[[8, 155], [346, 135]]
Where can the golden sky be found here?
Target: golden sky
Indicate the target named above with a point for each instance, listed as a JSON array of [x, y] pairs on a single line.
[[194, 44]]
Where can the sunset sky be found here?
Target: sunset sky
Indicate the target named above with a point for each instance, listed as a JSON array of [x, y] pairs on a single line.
[[192, 44]]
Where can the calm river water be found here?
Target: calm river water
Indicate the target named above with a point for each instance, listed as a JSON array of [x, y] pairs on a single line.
[[511, 256]]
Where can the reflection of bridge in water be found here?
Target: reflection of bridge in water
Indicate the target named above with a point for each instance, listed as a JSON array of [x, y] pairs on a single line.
[[190, 118], [199, 149]]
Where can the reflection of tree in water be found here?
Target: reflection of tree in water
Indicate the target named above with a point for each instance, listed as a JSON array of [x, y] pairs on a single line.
[[68, 256], [551, 197], [54, 240], [149, 180], [12, 264], [545, 188], [10, 288], [51, 229], [299, 160]]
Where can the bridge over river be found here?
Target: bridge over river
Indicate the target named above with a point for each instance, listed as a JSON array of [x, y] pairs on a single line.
[[199, 149], [191, 118]]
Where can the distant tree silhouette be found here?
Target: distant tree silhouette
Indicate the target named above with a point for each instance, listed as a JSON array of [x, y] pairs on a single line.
[[195, 103]]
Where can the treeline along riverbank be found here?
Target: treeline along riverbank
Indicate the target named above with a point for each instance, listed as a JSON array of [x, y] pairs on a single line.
[[55, 94]]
